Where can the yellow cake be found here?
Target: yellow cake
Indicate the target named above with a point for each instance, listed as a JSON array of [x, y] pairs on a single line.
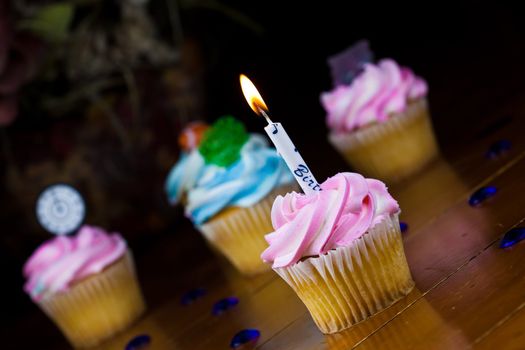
[[227, 185], [86, 284], [340, 250], [349, 284], [238, 233], [380, 122], [394, 149]]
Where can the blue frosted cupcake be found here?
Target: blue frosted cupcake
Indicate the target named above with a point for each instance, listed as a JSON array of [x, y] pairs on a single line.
[[227, 185]]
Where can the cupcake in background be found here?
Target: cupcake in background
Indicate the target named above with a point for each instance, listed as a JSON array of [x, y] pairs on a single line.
[[340, 250], [228, 184], [86, 284], [380, 121], [184, 174]]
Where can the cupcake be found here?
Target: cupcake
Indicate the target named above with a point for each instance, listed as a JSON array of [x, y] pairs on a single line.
[[380, 122], [228, 184], [340, 249], [86, 284]]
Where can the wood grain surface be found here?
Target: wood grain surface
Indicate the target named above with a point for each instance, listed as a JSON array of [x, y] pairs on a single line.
[[469, 292]]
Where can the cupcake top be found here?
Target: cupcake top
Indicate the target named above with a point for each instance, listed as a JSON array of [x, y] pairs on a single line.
[[310, 225], [59, 263], [374, 96], [229, 168]]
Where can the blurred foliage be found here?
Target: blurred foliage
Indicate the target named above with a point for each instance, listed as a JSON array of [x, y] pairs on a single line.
[[51, 22], [105, 88]]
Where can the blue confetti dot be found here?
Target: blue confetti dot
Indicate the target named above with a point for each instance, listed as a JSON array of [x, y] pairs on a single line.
[[139, 342], [482, 195], [512, 237], [403, 226], [224, 305], [498, 148], [246, 336], [192, 296]]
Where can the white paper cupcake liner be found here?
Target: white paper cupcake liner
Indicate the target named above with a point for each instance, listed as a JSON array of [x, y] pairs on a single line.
[[349, 284], [391, 150], [239, 233], [99, 306]]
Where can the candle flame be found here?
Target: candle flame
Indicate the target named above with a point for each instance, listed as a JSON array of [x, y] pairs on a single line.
[[252, 96]]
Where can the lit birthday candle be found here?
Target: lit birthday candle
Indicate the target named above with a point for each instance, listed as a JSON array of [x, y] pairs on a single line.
[[280, 139]]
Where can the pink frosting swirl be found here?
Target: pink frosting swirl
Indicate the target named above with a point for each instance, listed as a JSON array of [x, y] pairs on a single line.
[[60, 262], [311, 225], [378, 92]]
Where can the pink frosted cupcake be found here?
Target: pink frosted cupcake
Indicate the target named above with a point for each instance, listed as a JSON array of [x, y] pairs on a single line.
[[86, 284], [380, 122], [340, 249]]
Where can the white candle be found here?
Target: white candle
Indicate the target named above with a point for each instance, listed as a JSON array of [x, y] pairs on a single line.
[[292, 158], [281, 140]]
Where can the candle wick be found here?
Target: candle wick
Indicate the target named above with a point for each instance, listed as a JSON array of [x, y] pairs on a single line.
[[265, 115]]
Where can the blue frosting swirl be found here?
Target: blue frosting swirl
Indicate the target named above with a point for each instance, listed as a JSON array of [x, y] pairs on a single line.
[[211, 188], [184, 175]]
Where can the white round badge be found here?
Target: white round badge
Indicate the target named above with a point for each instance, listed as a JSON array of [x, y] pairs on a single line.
[[60, 209]]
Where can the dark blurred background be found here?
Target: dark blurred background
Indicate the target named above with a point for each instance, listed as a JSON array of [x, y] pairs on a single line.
[[94, 93]]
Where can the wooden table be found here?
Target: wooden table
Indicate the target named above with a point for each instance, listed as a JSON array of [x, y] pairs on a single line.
[[469, 292]]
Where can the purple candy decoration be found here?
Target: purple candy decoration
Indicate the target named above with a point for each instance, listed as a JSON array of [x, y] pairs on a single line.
[[346, 65], [192, 295], [245, 337], [224, 305], [498, 148], [481, 195], [139, 342], [512, 237]]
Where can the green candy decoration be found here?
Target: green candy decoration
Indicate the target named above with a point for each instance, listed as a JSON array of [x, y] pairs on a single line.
[[222, 142]]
